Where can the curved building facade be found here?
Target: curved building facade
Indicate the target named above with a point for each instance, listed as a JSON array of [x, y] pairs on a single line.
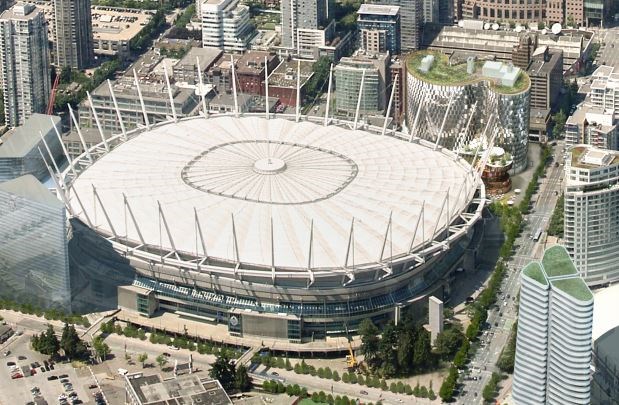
[[278, 229], [451, 103], [553, 345]]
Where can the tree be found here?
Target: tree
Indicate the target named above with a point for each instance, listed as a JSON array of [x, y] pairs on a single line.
[[559, 124], [47, 342], [101, 348], [387, 348], [224, 371], [71, 344], [369, 342], [405, 351], [142, 357], [242, 381], [422, 354], [448, 342], [161, 360]]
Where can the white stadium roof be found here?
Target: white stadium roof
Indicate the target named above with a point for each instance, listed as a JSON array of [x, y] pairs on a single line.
[[264, 179]]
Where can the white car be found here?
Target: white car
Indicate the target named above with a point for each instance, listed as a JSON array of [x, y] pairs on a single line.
[[173, 347]]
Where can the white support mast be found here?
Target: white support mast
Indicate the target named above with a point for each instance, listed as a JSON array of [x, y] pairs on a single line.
[[329, 96], [200, 234], [79, 133], [416, 120], [64, 148], [107, 218], [272, 253], [351, 245], [236, 99], [202, 92], [266, 87], [440, 134], [297, 114], [137, 86], [359, 100], [420, 218], [167, 82], [382, 249], [393, 87], [94, 114], [59, 187], [167, 229], [310, 253], [118, 115], [79, 201], [235, 242], [440, 213], [49, 153], [135, 222]]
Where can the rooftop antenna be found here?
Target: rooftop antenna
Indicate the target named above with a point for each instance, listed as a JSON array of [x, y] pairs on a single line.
[[329, 96], [167, 81], [120, 120], [202, 93], [236, 100], [359, 100]]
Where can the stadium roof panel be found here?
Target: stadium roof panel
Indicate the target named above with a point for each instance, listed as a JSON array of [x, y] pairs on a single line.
[[261, 187]]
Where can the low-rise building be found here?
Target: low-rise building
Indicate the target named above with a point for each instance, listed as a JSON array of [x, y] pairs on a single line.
[[114, 27], [19, 148], [250, 71], [605, 88], [186, 69], [185, 389], [592, 126], [283, 80]]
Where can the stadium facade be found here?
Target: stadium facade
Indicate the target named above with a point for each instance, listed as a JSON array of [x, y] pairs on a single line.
[[275, 228], [453, 101]]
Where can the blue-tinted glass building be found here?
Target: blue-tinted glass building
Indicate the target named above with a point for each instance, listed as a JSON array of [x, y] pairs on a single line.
[[34, 264], [379, 28]]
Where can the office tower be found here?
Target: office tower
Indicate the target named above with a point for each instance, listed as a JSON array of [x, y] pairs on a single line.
[[546, 73], [34, 261], [303, 15], [379, 28], [73, 33], [446, 11], [24, 62], [590, 214], [411, 22], [553, 345], [226, 25], [348, 74], [489, 10]]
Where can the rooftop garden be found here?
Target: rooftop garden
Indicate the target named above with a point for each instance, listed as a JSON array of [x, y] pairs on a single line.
[[443, 73], [534, 271], [557, 262], [577, 153], [575, 287]]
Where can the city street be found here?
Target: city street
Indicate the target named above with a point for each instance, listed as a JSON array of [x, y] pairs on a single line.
[[609, 53], [503, 316]]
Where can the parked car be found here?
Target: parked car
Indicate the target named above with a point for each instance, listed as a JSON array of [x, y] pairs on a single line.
[[63, 376], [52, 378], [22, 358], [92, 386]]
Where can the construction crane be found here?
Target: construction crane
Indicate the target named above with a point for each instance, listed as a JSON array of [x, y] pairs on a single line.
[[351, 360], [52, 96]]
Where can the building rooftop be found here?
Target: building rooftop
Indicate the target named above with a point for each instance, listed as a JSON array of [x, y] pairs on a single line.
[[30, 188], [575, 287], [118, 24], [534, 271], [19, 141], [378, 9], [447, 73], [207, 57], [252, 62], [185, 389], [20, 11], [285, 74], [540, 66], [589, 157], [557, 262]]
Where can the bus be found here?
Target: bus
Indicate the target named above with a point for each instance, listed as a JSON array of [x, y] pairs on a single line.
[[537, 235]]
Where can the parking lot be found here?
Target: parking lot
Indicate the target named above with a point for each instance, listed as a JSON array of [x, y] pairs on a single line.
[[76, 385]]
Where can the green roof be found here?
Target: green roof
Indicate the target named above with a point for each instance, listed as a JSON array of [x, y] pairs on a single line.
[[442, 73], [575, 287], [534, 271], [557, 262]]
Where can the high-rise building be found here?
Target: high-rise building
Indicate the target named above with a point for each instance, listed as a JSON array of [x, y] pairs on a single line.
[[446, 11], [546, 73], [379, 28], [593, 126], [411, 22], [303, 15], [34, 260], [591, 230], [430, 11], [518, 11], [226, 25], [605, 88], [553, 345], [24, 62], [73, 33], [348, 74]]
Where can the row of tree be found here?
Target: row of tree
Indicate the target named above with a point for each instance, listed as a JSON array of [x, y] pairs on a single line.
[[51, 314], [70, 343], [555, 227]]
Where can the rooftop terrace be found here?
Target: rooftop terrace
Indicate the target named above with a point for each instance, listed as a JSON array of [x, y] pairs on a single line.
[[534, 271], [586, 157], [557, 262], [575, 287], [446, 73]]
